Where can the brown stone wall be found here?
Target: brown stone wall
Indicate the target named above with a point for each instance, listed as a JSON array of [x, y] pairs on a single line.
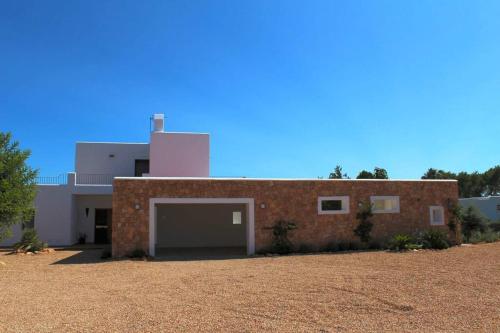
[[294, 200]]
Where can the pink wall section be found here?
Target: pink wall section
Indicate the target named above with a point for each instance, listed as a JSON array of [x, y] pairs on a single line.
[[179, 155]]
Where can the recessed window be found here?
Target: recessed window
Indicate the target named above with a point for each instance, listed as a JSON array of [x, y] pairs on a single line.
[[385, 204], [333, 205], [498, 207], [236, 217], [437, 215]]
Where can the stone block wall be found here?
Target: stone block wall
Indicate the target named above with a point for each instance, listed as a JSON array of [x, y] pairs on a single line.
[[292, 200]]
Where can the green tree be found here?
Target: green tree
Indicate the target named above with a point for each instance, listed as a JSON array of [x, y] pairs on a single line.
[[337, 173], [378, 173], [17, 185], [364, 228], [365, 175], [438, 174], [473, 221], [492, 181]]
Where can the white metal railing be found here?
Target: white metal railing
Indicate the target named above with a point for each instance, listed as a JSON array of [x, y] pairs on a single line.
[[61, 179], [94, 179]]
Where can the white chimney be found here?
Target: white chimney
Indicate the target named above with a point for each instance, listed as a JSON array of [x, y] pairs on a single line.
[[158, 120]]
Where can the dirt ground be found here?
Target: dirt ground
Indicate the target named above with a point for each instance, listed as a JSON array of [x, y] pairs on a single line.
[[73, 291]]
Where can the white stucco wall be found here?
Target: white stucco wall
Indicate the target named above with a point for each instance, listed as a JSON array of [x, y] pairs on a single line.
[[94, 158], [179, 155], [486, 205], [86, 224], [54, 213]]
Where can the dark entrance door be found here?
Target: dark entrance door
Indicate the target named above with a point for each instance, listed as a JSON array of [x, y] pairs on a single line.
[[102, 233], [141, 166]]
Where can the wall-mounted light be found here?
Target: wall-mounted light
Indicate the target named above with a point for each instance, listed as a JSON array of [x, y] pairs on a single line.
[[137, 206], [262, 205], [86, 212], [111, 155]]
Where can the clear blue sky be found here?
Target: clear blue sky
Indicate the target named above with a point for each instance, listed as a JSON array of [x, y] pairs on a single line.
[[285, 88]]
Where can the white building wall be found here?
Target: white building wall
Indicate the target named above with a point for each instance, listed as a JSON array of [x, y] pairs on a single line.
[[179, 155], [115, 159], [489, 206], [54, 213]]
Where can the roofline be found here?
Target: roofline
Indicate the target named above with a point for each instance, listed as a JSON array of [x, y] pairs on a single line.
[[192, 133], [285, 179], [115, 143], [489, 196]]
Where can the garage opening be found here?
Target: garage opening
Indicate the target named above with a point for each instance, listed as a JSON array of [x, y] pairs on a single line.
[[202, 227]]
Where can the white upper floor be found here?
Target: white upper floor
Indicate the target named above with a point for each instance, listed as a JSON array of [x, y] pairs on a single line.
[[166, 155]]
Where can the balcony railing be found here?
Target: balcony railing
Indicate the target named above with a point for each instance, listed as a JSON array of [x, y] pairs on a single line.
[[61, 179], [94, 179], [77, 179]]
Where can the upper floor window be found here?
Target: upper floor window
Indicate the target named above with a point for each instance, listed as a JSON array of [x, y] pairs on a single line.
[[141, 167], [437, 215], [333, 205], [385, 204]]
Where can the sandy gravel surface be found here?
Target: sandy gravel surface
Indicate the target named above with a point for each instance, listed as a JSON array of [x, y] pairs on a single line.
[[71, 291]]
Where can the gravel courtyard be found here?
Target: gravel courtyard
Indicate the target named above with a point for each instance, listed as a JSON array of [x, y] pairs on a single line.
[[452, 290]]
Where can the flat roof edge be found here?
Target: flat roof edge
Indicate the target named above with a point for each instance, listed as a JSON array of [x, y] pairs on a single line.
[[115, 143], [285, 179]]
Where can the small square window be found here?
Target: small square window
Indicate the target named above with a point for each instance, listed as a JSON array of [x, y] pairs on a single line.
[[333, 205], [436, 215], [498, 207], [385, 204], [236, 217]]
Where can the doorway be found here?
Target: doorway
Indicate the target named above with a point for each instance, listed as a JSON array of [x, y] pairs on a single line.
[[102, 233]]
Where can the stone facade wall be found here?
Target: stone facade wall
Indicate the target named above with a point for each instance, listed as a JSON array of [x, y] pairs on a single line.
[[293, 200]]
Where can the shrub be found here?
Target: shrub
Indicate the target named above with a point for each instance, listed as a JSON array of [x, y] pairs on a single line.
[[433, 239], [138, 253], [365, 226], [456, 217], [281, 244], [402, 242], [495, 226], [472, 221], [30, 242], [488, 236], [306, 248]]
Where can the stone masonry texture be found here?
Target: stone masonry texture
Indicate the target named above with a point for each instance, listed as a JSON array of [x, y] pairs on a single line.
[[290, 200]]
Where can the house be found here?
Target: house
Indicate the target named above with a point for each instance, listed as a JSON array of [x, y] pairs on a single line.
[[159, 195], [488, 206]]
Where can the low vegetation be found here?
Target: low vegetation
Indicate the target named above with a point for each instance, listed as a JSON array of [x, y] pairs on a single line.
[[281, 243], [365, 226], [30, 242]]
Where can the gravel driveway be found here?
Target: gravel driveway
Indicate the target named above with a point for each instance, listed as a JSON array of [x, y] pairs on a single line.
[[72, 291]]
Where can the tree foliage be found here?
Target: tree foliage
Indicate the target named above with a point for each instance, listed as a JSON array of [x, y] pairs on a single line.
[[378, 173], [17, 185], [473, 184], [473, 221], [365, 225], [338, 174]]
